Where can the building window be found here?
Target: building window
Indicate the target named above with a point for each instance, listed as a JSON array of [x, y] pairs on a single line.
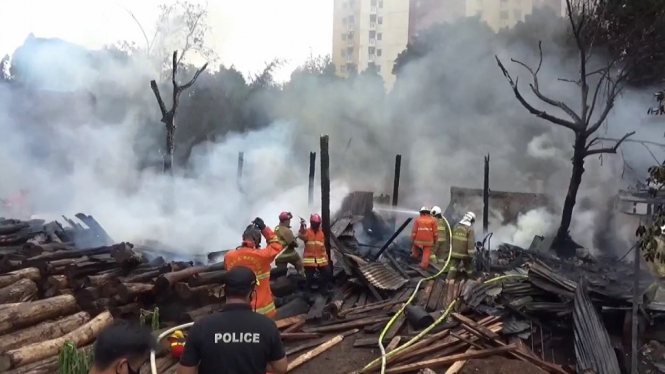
[[504, 2], [372, 18], [371, 50], [378, 52], [350, 36], [373, 2], [349, 51], [372, 34], [343, 36], [379, 36], [380, 20], [344, 20], [503, 14], [380, 4], [351, 19], [343, 52]]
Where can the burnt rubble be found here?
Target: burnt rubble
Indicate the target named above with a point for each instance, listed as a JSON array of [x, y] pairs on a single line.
[[64, 282]]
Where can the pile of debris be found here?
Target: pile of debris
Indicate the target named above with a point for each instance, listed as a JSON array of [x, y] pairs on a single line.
[[61, 284]]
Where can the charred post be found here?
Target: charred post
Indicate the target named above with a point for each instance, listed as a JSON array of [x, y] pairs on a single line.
[[312, 171], [325, 192], [398, 169], [168, 116], [241, 162], [486, 196]]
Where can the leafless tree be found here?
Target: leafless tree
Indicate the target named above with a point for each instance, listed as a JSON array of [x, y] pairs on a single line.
[[169, 116], [595, 105]]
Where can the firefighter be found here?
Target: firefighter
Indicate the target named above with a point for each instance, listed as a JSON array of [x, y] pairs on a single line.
[[177, 343], [285, 237], [463, 247], [442, 245], [424, 234], [315, 256], [250, 255]]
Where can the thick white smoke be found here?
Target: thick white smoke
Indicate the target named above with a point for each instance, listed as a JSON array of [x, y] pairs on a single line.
[[443, 120]]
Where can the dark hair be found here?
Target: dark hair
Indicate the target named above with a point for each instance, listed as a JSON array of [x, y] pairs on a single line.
[[122, 340], [252, 233]]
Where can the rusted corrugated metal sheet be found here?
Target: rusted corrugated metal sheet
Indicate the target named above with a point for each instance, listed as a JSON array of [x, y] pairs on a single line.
[[382, 276], [593, 348]]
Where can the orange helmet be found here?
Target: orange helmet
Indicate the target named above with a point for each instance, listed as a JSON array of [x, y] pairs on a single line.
[[315, 218]]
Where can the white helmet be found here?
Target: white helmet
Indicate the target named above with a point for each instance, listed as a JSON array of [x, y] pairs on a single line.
[[424, 209], [436, 210], [469, 216]]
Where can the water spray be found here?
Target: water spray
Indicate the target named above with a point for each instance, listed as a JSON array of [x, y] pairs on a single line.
[[392, 209]]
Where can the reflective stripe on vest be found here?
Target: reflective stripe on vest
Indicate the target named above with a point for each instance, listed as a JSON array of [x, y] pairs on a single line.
[[442, 232], [460, 234], [278, 238], [317, 260], [314, 243], [266, 309], [424, 229]]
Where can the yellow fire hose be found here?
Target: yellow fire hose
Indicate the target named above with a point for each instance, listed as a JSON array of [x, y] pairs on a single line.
[[384, 355]]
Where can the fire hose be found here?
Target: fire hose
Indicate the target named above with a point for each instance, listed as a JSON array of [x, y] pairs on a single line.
[[153, 363], [384, 356]]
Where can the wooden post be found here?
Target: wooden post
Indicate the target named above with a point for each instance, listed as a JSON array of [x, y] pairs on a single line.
[[398, 169], [312, 171], [635, 312], [241, 162], [325, 192], [486, 196]]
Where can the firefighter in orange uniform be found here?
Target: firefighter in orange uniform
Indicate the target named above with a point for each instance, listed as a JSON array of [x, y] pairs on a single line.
[[424, 234], [315, 256], [250, 255]]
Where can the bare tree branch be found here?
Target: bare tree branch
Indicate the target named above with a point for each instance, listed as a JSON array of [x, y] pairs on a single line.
[[535, 87], [147, 42], [538, 113], [613, 149]]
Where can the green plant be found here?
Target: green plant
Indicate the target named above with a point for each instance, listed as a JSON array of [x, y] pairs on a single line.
[[154, 318], [73, 360]]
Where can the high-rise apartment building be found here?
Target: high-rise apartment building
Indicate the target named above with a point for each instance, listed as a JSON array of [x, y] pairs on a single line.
[[374, 32], [369, 32]]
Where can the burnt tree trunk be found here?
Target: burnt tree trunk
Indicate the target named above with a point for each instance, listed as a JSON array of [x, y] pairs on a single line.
[[563, 244]]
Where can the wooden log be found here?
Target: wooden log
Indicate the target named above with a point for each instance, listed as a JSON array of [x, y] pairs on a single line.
[[123, 310], [447, 360], [164, 282], [457, 366], [186, 292], [38, 351], [102, 279], [348, 325], [285, 322], [314, 352], [27, 314], [78, 253], [28, 273], [146, 276], [316, 312], [314, 343], [57, 281], [212, 277], [44, 331], [128, 292], [21, 291], [296, 326], [45, 366], [299, 335], [31, 249], [162, 364]]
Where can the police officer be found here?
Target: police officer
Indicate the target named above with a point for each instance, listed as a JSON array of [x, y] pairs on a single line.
[[236, 340]]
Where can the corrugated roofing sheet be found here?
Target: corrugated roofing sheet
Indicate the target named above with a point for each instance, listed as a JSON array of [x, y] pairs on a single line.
[[382, 276]]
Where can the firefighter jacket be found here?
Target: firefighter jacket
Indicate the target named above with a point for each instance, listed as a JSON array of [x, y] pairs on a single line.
[[442, 234], [259, 261], [424, 232], [285, 237], [464, 241], [315, 249]]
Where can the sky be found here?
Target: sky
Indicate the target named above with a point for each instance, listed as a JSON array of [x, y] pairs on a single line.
[[245, 33]]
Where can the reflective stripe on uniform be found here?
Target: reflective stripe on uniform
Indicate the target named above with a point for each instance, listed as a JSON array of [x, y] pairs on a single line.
[[312, 260], [424, 228], [266, 309], [314, 243], [427, 243], [278, 238], [263, 276]]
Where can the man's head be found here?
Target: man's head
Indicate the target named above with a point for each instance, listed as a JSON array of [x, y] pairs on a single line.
[[424, 211], [239, 282], [436, 212], [315, 221], [252, 234], [122, 348], [285, 219]]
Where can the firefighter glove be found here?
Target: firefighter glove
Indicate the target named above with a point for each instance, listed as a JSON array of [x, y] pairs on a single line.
[[258, 222]]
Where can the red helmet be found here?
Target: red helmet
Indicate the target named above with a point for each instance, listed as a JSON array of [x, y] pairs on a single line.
[[315, 218], [285, 216]]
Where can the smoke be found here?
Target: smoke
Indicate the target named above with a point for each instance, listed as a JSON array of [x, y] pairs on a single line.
[[447, 110]]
